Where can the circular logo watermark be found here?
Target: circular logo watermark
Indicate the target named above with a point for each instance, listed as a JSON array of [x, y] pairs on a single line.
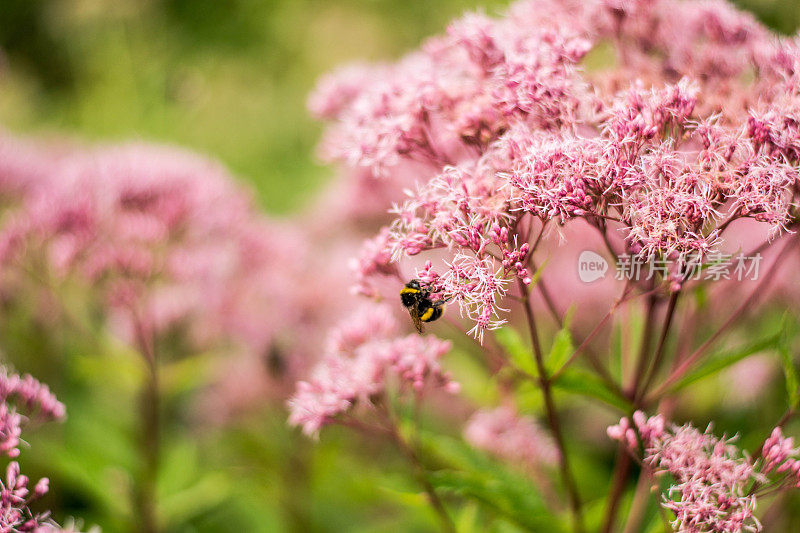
[[591, 266]]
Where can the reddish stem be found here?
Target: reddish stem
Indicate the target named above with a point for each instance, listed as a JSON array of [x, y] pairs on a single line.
[[687, 363], [552, 414]]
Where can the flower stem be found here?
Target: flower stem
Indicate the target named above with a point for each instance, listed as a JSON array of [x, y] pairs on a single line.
[[420, 474], [552, 415], [622, 467], [644, 349], [734, 316], [149, 405], [622, 470], [641, 498], [659, 354]]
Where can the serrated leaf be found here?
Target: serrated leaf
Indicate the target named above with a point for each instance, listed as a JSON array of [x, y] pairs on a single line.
[[561, 350], [512, 500], [538, 274], [584, 383], [475, 476], [519, 353], [208, 492], [721, 362]]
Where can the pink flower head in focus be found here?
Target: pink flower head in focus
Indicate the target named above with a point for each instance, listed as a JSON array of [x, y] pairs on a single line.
[[781, 457], [710, 476], [362, 362]]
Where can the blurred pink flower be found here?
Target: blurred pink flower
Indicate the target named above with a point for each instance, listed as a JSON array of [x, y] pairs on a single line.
[[511, 437], [361, 363], [165, 240]]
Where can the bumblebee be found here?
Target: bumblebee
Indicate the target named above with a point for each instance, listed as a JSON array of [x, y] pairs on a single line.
[[417, 299]]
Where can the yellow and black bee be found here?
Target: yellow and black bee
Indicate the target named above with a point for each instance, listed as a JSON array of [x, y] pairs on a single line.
[[417, 299]]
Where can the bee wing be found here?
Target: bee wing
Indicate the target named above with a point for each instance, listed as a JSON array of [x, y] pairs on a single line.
[[415, 317]]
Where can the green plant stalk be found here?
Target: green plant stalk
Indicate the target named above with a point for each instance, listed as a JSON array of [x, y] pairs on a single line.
[[552, 415], [149, 405], [622, 467], [435, 502], [641, 497], [644, 349], [659, 353]]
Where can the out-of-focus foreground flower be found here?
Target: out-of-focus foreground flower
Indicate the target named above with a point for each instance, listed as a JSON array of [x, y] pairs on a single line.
[[24, 399]]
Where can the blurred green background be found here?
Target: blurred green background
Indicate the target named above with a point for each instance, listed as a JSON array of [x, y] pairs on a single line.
[[228, 79]]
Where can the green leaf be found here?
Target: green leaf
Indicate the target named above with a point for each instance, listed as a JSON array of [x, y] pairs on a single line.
[[515, 501], [519, 353], [454, 453], [528, 396], [562, 347], [701, 296], [584, 383], [94, 456], [467, 519], [415, 499], [656, 526], [615, 361], [560, 352], [209, 491], [538, 274], [718, 363], [187, 374], [471, 474], [788, 328]]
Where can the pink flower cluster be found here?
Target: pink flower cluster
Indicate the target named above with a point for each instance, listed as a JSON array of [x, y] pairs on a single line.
[[511, 437], [781, 456], [409, 111], [33, 398], [145, 223], [496, 129], [162, 240], [364, 359], [36, 400], [15, 497], [710, 475]]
